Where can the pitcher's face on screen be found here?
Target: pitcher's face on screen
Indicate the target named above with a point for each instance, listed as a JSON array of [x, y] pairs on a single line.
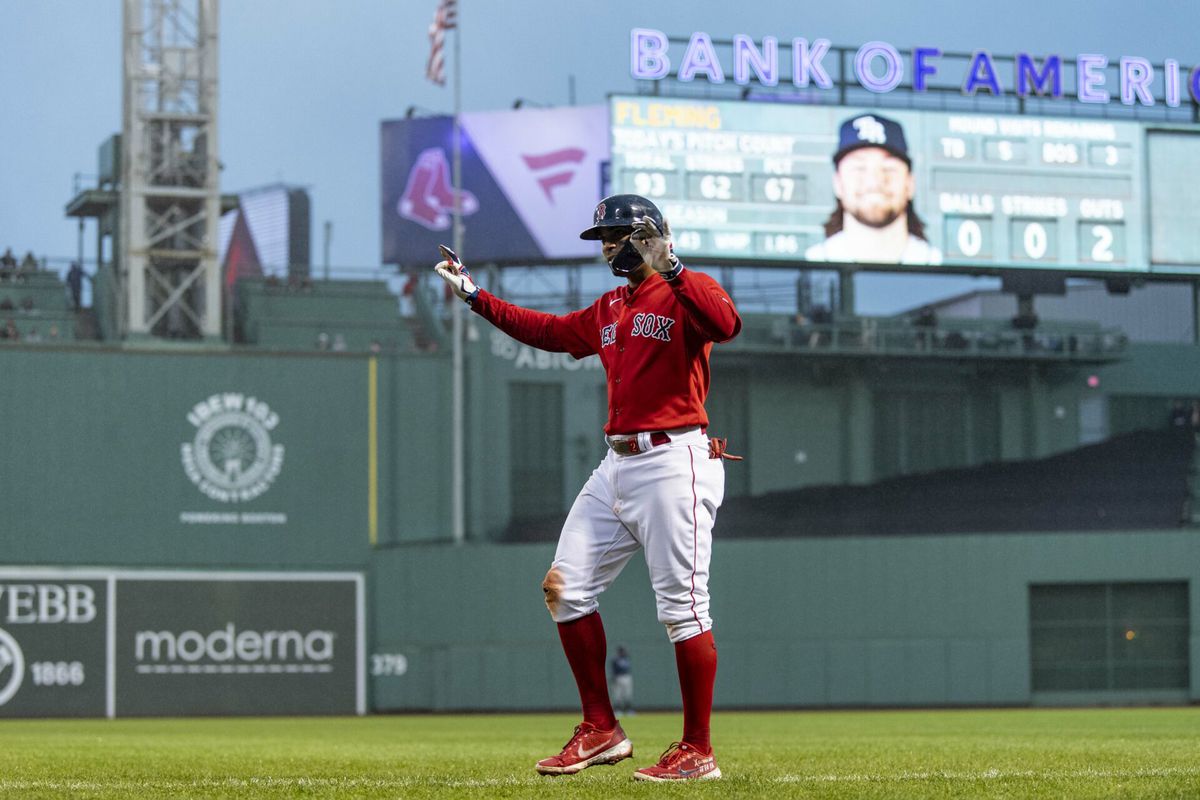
[[874, 186]]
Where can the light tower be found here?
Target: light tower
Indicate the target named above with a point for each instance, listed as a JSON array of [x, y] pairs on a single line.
[[168, 276]]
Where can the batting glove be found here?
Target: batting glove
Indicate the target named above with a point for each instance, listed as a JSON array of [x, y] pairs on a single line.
[[459, 280], [655, 246]]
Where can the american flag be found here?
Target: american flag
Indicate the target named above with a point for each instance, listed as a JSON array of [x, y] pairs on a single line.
[[444, 19]]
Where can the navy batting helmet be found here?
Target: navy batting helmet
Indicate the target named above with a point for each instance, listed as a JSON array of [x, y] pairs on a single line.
[[619, 211]]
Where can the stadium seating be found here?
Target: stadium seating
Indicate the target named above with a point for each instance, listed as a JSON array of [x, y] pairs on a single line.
[[335, 315], [1132, 482], [950, 338], [36, 302], [43, 290], [1138, 481]]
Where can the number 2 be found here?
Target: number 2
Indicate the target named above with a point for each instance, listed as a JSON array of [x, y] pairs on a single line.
[[1102, 249]]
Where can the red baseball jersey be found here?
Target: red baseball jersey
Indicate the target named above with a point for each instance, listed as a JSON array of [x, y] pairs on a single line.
[[654, 341]]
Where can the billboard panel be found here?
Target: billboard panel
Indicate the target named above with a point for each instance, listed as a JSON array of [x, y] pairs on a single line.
[[755, 182], [530, 179], [95, 643], [52, 645]]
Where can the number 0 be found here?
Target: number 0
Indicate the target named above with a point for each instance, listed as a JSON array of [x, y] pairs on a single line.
[[970, 238], [1036, 241]]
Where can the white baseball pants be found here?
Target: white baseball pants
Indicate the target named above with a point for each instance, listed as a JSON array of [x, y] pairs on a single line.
[[664, 501]]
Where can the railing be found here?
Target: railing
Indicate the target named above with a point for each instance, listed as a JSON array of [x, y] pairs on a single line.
[[947, 339]]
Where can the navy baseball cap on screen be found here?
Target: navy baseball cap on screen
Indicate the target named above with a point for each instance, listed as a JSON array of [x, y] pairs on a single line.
[[872, 130]]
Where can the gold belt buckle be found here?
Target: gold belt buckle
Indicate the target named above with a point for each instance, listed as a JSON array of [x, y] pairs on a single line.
[[625, 446]]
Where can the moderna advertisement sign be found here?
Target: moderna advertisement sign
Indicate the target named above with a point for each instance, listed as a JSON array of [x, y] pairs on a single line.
[[530, 179], [93, 642]]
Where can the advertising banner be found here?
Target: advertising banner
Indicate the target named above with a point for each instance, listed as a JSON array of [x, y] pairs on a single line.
[[530, 180], [53, 642], [147, 643]]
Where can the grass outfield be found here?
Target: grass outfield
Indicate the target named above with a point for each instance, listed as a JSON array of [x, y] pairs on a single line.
[[1118, 753]]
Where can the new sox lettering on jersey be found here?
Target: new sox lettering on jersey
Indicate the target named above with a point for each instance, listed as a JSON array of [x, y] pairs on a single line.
[[659, 486]]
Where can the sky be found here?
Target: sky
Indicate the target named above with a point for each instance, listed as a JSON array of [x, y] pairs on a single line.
[[304, 85]]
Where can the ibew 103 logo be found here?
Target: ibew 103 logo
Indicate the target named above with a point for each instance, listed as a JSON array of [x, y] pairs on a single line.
[[231, 458], [12, 667]]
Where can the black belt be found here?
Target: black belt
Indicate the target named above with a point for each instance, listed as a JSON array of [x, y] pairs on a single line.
[[628, 445]]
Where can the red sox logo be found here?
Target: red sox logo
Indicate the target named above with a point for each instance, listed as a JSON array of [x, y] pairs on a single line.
[[599, 215], [428, 198]]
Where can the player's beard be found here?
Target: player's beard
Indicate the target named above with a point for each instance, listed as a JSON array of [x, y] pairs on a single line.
[[878, 216]]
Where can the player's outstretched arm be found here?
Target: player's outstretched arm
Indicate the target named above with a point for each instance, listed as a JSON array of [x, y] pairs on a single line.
[[572, 333]]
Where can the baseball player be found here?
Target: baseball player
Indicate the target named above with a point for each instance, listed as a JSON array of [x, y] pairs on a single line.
[[874, 220], [660, 484]]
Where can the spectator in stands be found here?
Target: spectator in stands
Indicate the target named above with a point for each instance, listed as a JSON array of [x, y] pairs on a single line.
[[75, 283], [804, 334], [925, 322], [10, 331], [8, 262], [6, 304], [53, 333], [1181, 415], [33, 336], [27, 303], [322, 341], [868, 333], [1196, 416], [955, 341], [1027, 323], [339, 343], [822, 318], [29, 262]]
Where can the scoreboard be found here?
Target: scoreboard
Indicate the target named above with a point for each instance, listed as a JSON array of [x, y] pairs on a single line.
[[752, 183]]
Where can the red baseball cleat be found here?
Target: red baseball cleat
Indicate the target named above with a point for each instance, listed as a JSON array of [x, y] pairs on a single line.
[[588, 747], [681, 762]]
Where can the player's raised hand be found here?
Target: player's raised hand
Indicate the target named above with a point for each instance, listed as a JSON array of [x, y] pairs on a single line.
[[459, 280], [653, 244], [455, 273]]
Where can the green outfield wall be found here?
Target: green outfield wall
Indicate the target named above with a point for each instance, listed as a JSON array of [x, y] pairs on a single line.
[[106, 441], [105, 465], [909, 621], [248, 460]]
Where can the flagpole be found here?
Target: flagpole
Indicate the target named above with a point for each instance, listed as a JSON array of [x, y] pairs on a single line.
[[458, 438]]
